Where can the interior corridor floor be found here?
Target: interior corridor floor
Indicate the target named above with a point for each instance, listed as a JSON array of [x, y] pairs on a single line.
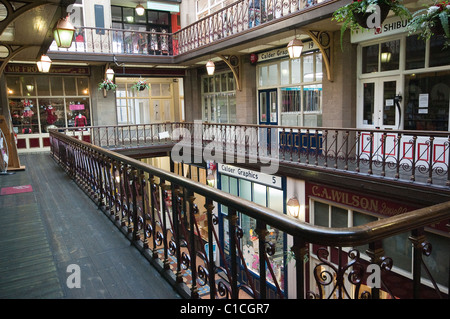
[[49, 228]]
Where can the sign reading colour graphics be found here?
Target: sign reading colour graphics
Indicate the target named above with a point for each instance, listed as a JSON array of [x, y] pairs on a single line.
[[257, 177]]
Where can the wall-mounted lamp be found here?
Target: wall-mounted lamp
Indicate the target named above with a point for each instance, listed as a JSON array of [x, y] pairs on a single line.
[[211, 180], [210, 67], [110, 74], [63, 33], [44, 64], [140, 10], [293, 207], [30, 87]]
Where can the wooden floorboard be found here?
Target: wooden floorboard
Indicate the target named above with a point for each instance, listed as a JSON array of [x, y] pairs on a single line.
[[56, 225]]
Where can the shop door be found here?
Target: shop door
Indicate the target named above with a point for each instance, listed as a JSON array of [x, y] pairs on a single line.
[[379, 110], [268, 107], [268, 115], [378, 104]]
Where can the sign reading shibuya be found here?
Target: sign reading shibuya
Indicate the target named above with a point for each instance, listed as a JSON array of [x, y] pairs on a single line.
[[258, 177]]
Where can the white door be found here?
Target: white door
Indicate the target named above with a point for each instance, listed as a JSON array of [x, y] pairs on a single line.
[[378, 109], [376, 103]]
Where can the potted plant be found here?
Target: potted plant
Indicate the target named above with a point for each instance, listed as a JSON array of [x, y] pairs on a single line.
[[107, 85], [355, 15], [140, 85], [433, 20]]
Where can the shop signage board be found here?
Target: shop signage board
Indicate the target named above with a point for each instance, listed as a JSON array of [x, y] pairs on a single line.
[[254, 176], [283, 52], [390, 26]]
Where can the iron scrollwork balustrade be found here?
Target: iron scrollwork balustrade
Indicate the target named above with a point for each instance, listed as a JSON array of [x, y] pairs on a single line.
[[411, 156], [157, 211], [231, 20]]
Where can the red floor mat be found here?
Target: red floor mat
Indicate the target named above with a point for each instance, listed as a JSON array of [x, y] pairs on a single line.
[[16, 190]]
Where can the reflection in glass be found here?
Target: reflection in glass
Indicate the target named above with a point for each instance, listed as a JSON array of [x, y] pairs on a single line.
[[390, 55], [370, 59], [368, 103], [389, 91], [415, 53]]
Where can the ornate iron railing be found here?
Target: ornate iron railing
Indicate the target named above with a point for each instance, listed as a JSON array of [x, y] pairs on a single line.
[[394, 155], [158, 212], [118, 41], [231, 20]]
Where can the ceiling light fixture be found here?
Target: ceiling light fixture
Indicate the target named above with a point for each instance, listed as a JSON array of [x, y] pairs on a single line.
[[140, 10]]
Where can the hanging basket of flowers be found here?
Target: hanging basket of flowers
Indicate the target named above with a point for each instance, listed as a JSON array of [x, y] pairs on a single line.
[[140, 85], [367, 14], [108, 85], [433, 20]]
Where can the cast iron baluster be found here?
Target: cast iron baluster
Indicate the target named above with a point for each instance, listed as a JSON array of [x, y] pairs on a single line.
[[399, 158], [164, 187], [325, 155], [336, 152], [291, 148], [308, 146], [152, 208], [299, 250], [134, 192], [212, 267], [418, 239], [431, 159], [232, 221], [176, 209], [261, 231], [413, 167], [371, 152], [192, 238], [383, 152]]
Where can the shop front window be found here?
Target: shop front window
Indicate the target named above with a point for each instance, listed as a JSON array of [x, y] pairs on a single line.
[[267, 197], [381, 57], [38, 103], [427, 101], [78, 114], [24, 116], [51, 113], [312, 98], [439, 55], [415, 53], [219, 98]]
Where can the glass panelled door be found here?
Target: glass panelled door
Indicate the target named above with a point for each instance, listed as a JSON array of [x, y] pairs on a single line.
[[268, 115], [268, 107], [378, 109]]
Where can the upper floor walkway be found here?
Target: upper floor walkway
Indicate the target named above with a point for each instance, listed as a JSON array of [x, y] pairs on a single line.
[[160, 213], [48, 227], [237, 24]]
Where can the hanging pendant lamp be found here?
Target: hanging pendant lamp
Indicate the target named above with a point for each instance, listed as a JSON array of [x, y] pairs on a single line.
[[63, 33]]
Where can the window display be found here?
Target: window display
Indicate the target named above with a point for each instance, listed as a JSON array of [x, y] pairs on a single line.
[[32, 109], [266, 196]]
